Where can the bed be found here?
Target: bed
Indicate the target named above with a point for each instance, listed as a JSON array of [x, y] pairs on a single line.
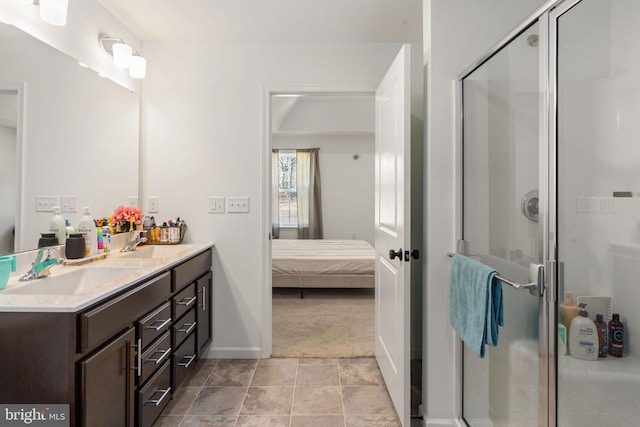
[[322, 264]]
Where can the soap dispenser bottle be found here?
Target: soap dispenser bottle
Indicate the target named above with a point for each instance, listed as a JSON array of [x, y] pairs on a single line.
[[57, 226], [583, 336], [88, 227]]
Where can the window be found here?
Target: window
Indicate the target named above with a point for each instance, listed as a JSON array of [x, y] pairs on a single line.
[[287, 193]]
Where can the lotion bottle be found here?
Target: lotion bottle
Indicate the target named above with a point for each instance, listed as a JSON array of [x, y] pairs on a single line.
[[57, 226], [583, 336], [88, 227], [569, 309]]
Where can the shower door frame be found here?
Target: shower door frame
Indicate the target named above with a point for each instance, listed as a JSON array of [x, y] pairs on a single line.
[[547, 16]]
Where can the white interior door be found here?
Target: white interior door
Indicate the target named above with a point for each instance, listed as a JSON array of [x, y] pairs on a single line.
[[392, 223]]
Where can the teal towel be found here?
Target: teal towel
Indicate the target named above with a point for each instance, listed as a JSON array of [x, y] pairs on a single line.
[[476, 308]]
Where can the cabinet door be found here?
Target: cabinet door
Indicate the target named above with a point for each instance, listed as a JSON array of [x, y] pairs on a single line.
[[204, 319], [108, 383]]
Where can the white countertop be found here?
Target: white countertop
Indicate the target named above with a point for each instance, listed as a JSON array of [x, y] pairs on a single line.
[[71, 288]]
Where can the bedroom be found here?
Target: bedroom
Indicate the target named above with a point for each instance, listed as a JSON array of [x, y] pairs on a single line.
[[341, 126]]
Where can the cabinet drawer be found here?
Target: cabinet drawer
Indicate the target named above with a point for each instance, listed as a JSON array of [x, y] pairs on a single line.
[[154, 396], [184, 301], [192, 269], [154, 324], [184, 360], [184, 327], [107, 319], [155, 356]]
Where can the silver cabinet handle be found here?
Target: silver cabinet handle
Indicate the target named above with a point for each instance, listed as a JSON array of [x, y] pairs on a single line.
[[159, 360], [186, 365], [187, 302], [157, 402], [160, 326], [189, 328], [203, 291], [138, 348]]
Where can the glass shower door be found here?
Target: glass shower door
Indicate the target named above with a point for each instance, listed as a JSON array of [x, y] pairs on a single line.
[[597, 84], [501, 101]]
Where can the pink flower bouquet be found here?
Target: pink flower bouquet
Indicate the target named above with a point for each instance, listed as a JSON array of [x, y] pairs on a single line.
[[127, 217]]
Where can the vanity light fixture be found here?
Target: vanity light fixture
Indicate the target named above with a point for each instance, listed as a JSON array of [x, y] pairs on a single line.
[[54, 12], [124, 56]]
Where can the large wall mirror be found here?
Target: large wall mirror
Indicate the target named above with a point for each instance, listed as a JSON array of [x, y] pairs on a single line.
[[64, 131]]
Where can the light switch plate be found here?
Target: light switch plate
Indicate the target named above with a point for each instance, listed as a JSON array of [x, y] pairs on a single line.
[[152, 204], [68, 204], [237, 204], [46, 203], [132, 200], [216, 204]]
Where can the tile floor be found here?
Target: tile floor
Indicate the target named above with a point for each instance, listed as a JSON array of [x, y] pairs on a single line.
[[282, 392]]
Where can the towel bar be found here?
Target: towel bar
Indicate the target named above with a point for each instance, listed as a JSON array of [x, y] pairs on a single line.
[[531, 287]]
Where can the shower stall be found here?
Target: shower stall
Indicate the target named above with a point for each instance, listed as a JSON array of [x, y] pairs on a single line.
[[549, 164]]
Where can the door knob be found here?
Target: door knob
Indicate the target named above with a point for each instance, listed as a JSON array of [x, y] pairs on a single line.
[[415, 254], [393, 254]]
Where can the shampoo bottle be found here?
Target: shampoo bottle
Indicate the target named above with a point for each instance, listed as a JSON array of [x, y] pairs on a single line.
[[569, 309], [603, 336], [57, 226], [88, 227], [583, 336], [562, 340], [616, 336]]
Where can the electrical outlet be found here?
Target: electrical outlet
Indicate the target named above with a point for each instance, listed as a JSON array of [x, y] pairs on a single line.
[[46, 203], [68, 203], [216, 204], [132, 200], [237, 204], [152, 204]]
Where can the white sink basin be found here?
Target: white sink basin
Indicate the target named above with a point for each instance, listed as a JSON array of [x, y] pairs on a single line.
[[72, 281]]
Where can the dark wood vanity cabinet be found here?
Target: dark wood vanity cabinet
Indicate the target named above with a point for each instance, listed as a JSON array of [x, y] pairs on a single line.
[[117, 362]]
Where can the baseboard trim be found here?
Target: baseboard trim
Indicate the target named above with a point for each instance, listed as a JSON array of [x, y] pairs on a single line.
[[234, 353], [443, 422]]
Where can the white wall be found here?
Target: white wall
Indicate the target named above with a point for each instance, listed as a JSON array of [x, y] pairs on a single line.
[[455, 35], [202, 117], [347, 184]]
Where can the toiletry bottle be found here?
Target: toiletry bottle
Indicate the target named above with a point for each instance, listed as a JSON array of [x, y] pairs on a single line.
[[57, 226], [616, 336], [106, 236], [603, 336], [70, 229], [99, 240], [562, 340], [88, 228], [583, 336], [569, 309]]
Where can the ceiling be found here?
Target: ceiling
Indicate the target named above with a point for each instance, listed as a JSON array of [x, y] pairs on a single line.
[[271, 20]]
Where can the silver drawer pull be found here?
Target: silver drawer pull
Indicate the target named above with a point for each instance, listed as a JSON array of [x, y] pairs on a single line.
[[157, 402], [189, 328], [159, 360], [186, 365], [187, 302], [160, 326]]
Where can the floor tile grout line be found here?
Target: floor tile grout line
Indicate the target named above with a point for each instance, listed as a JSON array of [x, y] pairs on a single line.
[[198, 393], [344, 413], [246, 394]]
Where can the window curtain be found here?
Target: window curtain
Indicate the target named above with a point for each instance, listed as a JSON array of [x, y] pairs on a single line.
[[275, 211], [309, 194]]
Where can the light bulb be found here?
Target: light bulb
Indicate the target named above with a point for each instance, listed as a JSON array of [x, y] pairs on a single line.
[[138, 67], [54, 12], [121, 55]]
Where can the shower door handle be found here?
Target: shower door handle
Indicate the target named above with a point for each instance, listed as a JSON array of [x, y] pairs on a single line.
[[536, 275]]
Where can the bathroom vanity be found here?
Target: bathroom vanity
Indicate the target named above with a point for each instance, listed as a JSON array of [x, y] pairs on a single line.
[[116, 351]]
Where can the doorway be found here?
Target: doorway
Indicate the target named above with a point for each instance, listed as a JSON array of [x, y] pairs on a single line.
[[336, 316], [9, 180]]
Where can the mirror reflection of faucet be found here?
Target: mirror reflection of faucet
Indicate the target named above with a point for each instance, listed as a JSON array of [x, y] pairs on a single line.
[[42, 265]]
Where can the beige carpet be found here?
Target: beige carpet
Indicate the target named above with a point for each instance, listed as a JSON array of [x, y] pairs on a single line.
[[325, 323]]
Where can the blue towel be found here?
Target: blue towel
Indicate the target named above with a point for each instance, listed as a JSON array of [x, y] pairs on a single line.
[[476, 308]]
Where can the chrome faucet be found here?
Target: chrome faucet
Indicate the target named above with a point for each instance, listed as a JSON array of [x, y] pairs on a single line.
[[133, 241], [41, 267]]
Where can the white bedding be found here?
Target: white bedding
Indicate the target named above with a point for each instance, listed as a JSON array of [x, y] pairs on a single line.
[[322, 257]]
